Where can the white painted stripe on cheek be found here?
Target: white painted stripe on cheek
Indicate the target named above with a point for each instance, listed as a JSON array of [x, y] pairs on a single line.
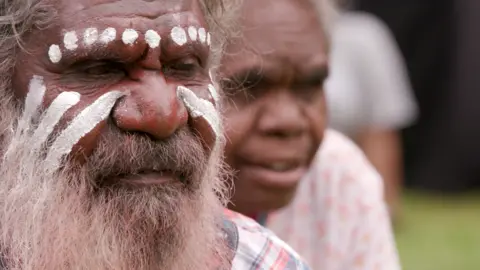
[[90, 36], [36, 92], [129, 36], [70, 40], [213, 92], [179, 36], [209, 39], [81, 125], [210, 75], [54, 113], [202, 35], [192, 32], [108, 35], [54, 53], [152, 38], [33, 100], [199, 107]]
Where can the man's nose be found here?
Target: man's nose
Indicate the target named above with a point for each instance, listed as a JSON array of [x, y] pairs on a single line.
[[282, 117], [151, 107]]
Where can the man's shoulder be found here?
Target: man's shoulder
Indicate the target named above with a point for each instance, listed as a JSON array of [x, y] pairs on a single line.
[[259, 248]]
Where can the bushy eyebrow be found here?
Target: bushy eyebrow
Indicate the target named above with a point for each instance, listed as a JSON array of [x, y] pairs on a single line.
[[92, 43]]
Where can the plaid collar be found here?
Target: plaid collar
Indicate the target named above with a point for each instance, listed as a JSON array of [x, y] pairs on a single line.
[[256, 247]]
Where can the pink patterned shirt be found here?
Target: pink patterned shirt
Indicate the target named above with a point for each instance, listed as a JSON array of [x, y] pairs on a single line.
[[338, 219]]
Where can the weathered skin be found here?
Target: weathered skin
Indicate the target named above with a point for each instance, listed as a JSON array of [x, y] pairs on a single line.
[[278, 119], [147, 78]]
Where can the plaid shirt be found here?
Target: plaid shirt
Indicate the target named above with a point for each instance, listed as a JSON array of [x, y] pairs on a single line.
[[258, 248]]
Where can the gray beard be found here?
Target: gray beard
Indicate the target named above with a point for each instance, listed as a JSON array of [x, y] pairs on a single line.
[[63, 221]]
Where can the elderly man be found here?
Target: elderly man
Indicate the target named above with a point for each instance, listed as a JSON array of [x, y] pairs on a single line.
[[111, 141], [311, 186]]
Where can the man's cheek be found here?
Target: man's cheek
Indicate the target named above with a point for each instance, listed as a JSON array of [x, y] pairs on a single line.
[[64, 122], [76, 147], [84, 126], [204, 116]]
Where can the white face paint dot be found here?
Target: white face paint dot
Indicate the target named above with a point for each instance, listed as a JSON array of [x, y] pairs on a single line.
[[208, 39], [192, 33], [129, 36], [152, 38], [179, 35], [70, 40], [202, 34], [54, 53], [108, 35], [90, 36]]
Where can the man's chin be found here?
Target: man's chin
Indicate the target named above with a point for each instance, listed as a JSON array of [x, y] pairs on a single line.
[[147, 180], [138, 228]]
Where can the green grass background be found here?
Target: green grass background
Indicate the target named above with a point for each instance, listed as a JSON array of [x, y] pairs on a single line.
[[439, 232]]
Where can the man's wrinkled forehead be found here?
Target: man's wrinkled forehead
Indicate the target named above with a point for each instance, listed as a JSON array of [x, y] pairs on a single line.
[[91, 10]]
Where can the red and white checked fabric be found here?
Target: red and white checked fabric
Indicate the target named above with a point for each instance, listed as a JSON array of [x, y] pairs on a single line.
[[338, 219], [259, 249]]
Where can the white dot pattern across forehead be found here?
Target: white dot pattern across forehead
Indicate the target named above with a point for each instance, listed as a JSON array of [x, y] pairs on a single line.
[[192, 32], [179, 36], [209, 41], [90, 36], [70, 40], [129, 36], [152, 38], [202, 35], [108, 35], [55, 53]]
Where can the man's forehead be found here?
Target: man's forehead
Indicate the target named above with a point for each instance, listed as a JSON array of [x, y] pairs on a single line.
[[91, 10], [126, 6]]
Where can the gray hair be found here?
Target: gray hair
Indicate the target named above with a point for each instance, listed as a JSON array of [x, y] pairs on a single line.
[[16, 18]]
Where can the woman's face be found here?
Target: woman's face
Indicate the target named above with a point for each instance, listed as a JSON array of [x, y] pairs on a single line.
[[275, 115]]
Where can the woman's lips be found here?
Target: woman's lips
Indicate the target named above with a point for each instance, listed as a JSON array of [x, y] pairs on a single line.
[[278, 175]]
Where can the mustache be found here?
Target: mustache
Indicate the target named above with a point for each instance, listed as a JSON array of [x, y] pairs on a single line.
[[121, 153]]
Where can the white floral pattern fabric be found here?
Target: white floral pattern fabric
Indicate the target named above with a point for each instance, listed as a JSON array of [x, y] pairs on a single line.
[[338, 219]]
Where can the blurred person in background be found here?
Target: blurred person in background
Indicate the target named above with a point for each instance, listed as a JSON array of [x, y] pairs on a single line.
[[440, 42], [311, 186], [369, 95]]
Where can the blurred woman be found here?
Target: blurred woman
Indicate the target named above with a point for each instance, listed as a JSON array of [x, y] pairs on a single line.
[[311, 186]]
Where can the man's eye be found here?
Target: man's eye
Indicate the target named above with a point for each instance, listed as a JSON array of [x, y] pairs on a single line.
[[184, 67], [103, 68]]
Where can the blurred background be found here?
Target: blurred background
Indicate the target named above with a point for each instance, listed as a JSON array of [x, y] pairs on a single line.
[[437, 212]]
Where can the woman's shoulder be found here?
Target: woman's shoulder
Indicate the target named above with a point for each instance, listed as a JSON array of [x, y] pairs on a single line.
[[342, 166]]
